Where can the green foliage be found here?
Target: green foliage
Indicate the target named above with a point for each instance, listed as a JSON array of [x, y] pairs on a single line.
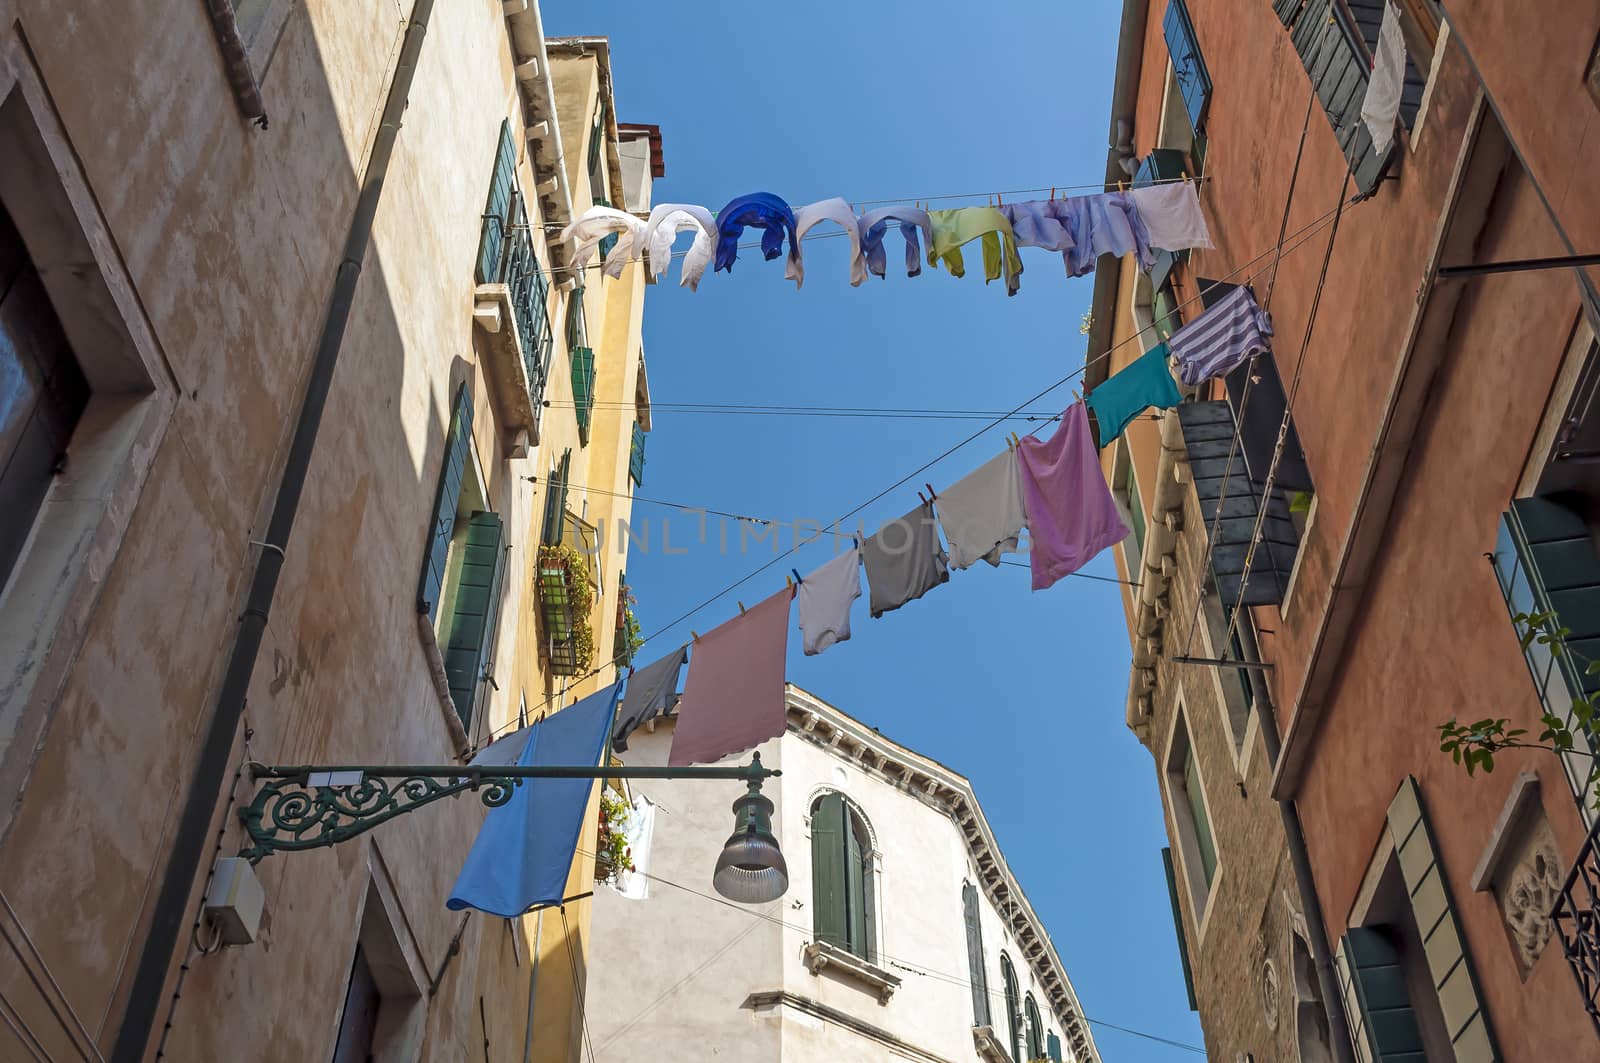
[[1300, 502], [612, 854], [575, 567], [1474, 745]]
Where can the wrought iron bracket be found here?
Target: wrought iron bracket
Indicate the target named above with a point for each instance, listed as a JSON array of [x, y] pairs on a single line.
[[315, 806]]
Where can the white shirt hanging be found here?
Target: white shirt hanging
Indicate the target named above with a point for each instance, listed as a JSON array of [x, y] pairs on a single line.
[[837, 211], [596, 224], [667, 220]]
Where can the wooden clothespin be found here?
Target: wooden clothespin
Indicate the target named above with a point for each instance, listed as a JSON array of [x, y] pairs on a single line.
[[1122, 186], [999, 199], [1052, 195], [741, 608], [1185, 175], [694, 635], [1016, 442], [797, 579], [1076, 394], [931, 496], [924, 501]]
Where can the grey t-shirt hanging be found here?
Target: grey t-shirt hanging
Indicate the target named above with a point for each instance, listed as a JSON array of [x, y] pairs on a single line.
[[904, 560], [649, 693]]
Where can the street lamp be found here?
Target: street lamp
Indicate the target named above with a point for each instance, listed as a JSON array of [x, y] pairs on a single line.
[[315, 806]]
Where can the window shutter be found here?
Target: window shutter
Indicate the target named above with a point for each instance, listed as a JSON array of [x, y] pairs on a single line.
[[976, 972], [1286, 10], [583, 389], [472, 624], [444, 504], [1208, 436], [1258, 426], [1162, 164], [1378, 984], [1053, 1045], [869, 909], [855, 901], [1177, 924], [1368, 16], [1035, 1030], [1013, 1007], [1334, 56], [828, 829], [1188, 68], [636, 456], [502, 180], [555, 500]]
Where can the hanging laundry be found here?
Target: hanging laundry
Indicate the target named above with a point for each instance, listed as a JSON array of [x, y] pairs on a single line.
[[1105, 224], [1171, 215], [637, 834], [651, 692], [825, 599], [598, 222], [1229, 331], [983, 513], [760, 210], [904, 560], [1381, 105], [875, 225], [837, 211], [1144, 383], [733, 699], [667, 220], [952, 229], [1045, 223], [1071, 514], [524, 848]]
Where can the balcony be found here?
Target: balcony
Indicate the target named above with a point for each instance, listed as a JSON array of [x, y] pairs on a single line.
[[566, 597], [1577, 921], [512, 311]]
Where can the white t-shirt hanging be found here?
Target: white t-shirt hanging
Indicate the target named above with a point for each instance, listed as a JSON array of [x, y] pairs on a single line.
[[825, 599]]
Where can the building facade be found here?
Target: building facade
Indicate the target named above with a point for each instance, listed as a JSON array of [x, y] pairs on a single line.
[[903, 934], [1358, 517], [310, 430]]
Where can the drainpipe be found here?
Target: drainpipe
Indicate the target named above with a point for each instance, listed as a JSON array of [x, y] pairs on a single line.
[[192, 838], [1321, 954]]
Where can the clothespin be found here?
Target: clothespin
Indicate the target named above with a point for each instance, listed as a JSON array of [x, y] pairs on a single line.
[[924, 501], [741, 608], [1122, 186], [931, 496], [1052, 195], [797, 578], [999, 199], [788, 583], [1076, 394], [695, 635], [1016, 442], [1185, 175]]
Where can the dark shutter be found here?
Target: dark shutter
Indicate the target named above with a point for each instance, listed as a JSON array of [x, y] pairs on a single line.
[[1380, 990], [1334, 56], [473, 618], [443, 527], [1545, 561], [1188, 68], [1177, 925], [1262, 415], [636, 456], [869, 908], [1208, 429], [828, 904], [976, 972], [1286, 10], [1368, 16], [555, 500], [1035, 1030], [1013, 1007], [1053, 1046], [502, 180], [1162, 164]]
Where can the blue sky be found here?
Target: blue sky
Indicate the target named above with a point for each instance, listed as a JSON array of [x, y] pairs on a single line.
[[1021, 692]]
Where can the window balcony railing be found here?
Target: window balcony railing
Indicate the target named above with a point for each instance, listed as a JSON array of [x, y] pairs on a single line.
[[1577, 922], [530, 302], [512, 307]]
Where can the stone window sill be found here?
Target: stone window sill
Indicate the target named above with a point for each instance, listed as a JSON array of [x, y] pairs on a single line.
[[819, 955], [990, 1049]]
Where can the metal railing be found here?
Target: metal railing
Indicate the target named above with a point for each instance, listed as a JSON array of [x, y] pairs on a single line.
[[519, 270], [1577, 922]]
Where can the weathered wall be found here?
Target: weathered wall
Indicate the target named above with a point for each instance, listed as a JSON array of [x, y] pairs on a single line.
[[230, 236]]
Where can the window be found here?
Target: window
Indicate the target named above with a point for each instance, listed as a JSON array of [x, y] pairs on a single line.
[[1013, 1006], [636, 456], [1035, 1032], [1188, 68], [1177, 925], [976, 971], [1234, 478], [582, 360], [1161, 165], [842, 901], [1419, 24], [464, 565], [1332, 49], [1191, 814], [555, 499], [43, 393], [1238, 697], [382, 1015], [597, 175], [1125, 491], [1409, 986], [496, 227]]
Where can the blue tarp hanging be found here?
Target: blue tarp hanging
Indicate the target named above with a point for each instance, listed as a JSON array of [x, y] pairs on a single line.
[[525, 847]]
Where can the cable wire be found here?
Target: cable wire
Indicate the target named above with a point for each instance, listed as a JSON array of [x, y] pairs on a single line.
[[577, 990], [1299, 239], [73, 1030], [22, 1031]]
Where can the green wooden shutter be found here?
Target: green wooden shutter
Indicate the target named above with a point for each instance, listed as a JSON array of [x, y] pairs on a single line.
[[583, 389], [976, 973], [555, 500], [828, 904], [501, 182], [477, 600], [1378, 981], [855, 887], [1177, 924], [636, 456], [1035, 1030], [445, 499], [869, 909], [1013, 1006], [1053, 1046], [1188, 68]]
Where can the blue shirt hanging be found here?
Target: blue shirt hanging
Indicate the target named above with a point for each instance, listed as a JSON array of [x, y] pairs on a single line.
[[760, 210], [525, 847]]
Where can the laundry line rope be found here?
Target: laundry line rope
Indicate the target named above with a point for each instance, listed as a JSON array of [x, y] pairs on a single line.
[[1242, 273]]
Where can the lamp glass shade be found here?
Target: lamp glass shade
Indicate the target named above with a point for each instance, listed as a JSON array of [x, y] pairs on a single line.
[[751, 868]]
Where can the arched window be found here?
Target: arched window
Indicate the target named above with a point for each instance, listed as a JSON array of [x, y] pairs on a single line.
[[975, 964], [1013, 1006], [1035, 1030], [841, 878]]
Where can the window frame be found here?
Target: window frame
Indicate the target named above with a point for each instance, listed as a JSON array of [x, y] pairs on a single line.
[[866, 874], [1201, 888], [1125, 490], [1013, 996]]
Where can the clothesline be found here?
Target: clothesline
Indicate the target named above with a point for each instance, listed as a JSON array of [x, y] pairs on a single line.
[[764, 409], [1243, 274]]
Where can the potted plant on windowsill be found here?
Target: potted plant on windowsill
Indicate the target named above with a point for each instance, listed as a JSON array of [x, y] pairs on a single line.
[[565, 600]]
